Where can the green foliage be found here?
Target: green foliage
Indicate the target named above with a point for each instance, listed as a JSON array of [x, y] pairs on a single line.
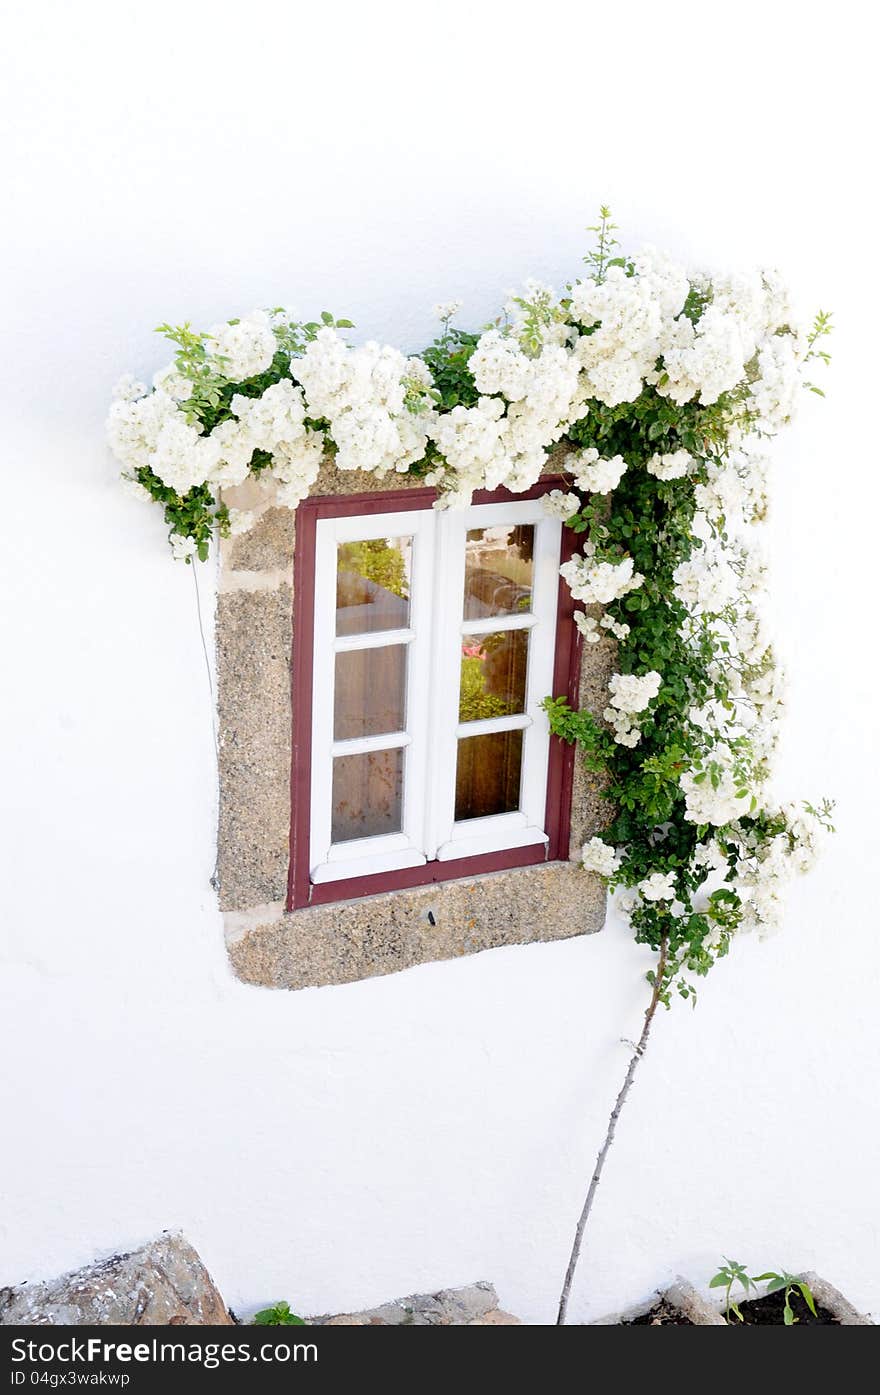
[[789, 1282], [448, 359], [191, 515], [732, 1272], [376, 560], [475, 701], [821, 327], [651, 520], [600, 258], [279, 1316]]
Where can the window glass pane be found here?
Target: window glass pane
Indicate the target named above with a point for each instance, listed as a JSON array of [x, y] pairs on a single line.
[[367, 795], [487, 778], [493, 675], [498, 570], [373, 585], [370, 691]]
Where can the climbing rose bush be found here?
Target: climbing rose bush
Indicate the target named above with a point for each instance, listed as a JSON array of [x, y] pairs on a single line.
[[666, 387]]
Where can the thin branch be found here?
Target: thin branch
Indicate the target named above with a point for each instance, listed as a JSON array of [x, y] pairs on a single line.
[[207, 662], [638, 1053]]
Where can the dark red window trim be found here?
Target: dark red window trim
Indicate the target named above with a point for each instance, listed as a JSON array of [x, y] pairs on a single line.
[[301, 891]]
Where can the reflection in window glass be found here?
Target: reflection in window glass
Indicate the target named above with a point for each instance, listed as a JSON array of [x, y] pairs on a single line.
[[487, 777], [367, 795], [373, 585], [498, 570], [370, 691], [493, 675]]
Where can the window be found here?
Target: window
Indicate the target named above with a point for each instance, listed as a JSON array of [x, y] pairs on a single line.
[[424, 644]]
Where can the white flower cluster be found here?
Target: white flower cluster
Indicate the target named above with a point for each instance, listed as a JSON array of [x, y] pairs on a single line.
[[767, 865], [559, 504], [598, 856], [705, 582], [150, 431], [723, 585], [526, 405], [375, 409], [362, 395], [660, 886], [737, 487], [446, 309], [244, 348], [714, 793], [599, 582], [629, 318], [592, 473], [589, 626], [631, 694], [673, 466]]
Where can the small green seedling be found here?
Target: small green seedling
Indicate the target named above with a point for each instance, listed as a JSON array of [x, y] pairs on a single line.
[[279, 1316], [789, 1282], [729, 1274]]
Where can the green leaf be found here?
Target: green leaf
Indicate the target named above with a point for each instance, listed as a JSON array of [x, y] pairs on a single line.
[[808, 1297], [788, 1316], [279, 1316], [719, 1281]]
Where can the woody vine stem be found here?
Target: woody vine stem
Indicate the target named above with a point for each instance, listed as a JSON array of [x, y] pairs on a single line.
[[638, 1053]]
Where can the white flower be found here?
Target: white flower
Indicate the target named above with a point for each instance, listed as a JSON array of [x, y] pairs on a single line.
[[670, 467], [587, 626], [363, 394], [446, 309], [593, 474], [601, 857], [134, 489], [714, 795], [599, 582], [152, 432], [631, 316], [624, 730], [660, 886], [630, 695], [240, 520], [705, 583], [128, 389], [173, 383], [631, 692], [618, 628], [182, 548], [296, 466], [558, 504], [243, 348], [498, 365]]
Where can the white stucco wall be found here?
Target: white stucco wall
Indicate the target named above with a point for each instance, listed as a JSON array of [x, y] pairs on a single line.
[[341, 1146]]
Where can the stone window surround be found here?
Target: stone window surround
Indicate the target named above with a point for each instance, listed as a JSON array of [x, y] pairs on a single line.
[[342, 942]]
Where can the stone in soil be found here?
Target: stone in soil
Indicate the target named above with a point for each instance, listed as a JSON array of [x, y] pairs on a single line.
[[473, 1306]]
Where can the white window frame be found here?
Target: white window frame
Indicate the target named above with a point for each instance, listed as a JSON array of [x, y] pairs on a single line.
[[429, 740]]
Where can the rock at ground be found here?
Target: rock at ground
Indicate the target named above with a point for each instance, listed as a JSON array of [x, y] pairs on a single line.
[[683, 1297], [473, 1306], [163, 1282]]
